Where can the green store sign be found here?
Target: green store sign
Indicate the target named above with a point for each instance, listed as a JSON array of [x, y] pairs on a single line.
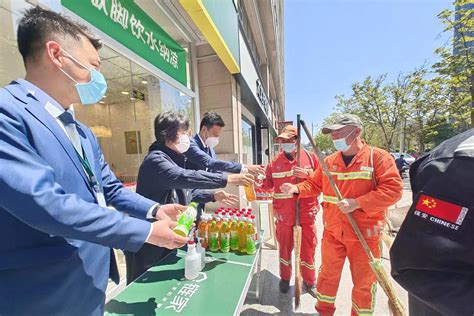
[[125, 22]]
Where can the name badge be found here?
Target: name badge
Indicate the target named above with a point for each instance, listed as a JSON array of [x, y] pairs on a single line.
[[366, 169]]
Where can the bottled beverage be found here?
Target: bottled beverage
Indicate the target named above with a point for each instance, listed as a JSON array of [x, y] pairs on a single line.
[[234, 236], [214, 237], [250, 192], [203, 232], [219, 221], [250, 242], [202, 253], [186, 220], [246, 220], [225, 237], [242, 238], [253, 220], [192, 262]]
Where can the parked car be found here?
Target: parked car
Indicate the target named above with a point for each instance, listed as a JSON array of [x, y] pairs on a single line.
[[408, 158]]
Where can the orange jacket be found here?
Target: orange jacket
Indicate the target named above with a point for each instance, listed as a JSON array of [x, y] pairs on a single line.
[[357, 181], [280, 171]]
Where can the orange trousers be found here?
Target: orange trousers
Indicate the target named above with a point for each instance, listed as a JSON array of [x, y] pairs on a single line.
[[334, 251], [284, 234]]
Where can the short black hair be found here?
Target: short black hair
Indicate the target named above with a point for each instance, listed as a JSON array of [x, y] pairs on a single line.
[[211, 119], [37, 26], [168, 124]]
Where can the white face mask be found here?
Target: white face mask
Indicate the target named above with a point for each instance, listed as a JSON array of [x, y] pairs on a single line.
[[341, 144], [212, 141], [183, 143], [288, 147]]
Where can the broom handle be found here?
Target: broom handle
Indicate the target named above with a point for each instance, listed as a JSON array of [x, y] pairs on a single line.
[[298, 162]]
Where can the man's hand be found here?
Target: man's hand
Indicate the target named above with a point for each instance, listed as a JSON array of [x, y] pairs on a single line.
[[162, 235], [289, 188], [170, 211], [301, 173], [226, 198], [255, 170], [240, 179], [348, 205]]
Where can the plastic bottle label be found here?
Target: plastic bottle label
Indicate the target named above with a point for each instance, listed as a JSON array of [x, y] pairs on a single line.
[[225, 242], [214, 241], [234, 240], [251, 249], [186, 220]]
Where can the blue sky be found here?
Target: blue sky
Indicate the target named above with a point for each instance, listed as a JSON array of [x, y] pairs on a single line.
[[330, 44]]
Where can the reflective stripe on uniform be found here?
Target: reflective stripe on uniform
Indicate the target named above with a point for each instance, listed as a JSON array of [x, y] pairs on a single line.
[[279, 175], [368, 312], [330, 199], [282, 196], [325, 298], [307, 265], [358, 175], [284, 262]]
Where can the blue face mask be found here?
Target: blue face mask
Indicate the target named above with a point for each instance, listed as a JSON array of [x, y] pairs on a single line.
[[341, 144], [92, 91], [288, 147]]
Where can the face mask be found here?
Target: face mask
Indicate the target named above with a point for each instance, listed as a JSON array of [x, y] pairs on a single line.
[[288, 147], [92, 91], [341, 144], [183, 144], [212, 141]]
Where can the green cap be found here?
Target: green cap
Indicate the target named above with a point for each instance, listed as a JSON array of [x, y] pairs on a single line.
[[225, 224], [342, 120]]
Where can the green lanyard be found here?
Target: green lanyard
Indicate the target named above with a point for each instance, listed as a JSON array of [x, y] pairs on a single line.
[[87, 167]]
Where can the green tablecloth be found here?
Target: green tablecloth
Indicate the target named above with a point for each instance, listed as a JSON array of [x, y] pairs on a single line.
[[219, 290]]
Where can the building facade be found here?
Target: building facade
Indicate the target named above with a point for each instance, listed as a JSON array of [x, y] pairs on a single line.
[[192, 56]]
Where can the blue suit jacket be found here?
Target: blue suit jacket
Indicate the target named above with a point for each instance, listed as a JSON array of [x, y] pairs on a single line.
[[55, 239], [202, 158]]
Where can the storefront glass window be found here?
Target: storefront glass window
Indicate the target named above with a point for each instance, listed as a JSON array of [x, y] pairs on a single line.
[[247, 142]]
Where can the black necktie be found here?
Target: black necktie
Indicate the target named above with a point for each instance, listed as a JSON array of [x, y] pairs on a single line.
[[66, 118]]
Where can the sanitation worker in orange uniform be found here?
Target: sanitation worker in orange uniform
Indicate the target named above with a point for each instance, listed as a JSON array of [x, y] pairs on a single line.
[[284, 168], [369, 182]]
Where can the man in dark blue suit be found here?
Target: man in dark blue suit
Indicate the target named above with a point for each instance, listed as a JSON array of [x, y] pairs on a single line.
[[201, 154], [56, 232]]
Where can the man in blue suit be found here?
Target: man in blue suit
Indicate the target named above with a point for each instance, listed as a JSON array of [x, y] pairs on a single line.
[[201, 154], [56, 232]]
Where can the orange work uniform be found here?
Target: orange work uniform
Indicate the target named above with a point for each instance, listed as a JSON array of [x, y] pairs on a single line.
[[372, 179], [280, 171]]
